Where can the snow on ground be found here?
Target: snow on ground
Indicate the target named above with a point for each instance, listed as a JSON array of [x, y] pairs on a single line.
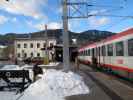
[[8, 95], [40, 91], [65, 84], [50, 64], [26, 66], [55, 85], [10, 67]]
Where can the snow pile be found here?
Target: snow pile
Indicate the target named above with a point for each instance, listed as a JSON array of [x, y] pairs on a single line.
[[65, 84], [7, 96], [26, 66], [55, 85], [40, 91], [10, 67], [50, 64]]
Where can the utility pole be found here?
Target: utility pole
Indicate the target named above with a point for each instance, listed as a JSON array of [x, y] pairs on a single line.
[[46, 48], [66, 62]]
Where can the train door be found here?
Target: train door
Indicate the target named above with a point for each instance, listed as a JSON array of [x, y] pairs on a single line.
[[93, 53], [99, 55], [103, 54], [94, 58]]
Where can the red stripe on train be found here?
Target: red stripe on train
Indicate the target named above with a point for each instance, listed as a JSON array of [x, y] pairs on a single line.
[[115, 67], [118, 67]]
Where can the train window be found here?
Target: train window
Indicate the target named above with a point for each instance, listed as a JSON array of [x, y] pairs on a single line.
[[103, 51], [89, 52], [95, 52], [119, 49], [98, 51], [110, 49], [130, 47], [86, 53]]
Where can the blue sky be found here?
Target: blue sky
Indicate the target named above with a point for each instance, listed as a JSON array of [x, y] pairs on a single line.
[[24, 16]]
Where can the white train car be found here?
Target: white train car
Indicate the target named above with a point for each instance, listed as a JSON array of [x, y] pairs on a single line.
[[114, 53]]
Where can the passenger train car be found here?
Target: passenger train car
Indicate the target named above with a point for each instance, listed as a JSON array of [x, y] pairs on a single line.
[[113, 54]]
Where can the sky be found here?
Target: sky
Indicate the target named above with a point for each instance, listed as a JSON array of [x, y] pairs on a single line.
[[25, 16]]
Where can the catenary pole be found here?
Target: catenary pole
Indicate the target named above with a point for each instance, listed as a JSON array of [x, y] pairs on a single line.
[[66, 62], [46, 39]]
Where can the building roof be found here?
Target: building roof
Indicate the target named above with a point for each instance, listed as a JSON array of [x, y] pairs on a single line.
[[27, 39]]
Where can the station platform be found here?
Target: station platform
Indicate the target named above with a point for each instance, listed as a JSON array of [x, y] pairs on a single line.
[[102, 86]]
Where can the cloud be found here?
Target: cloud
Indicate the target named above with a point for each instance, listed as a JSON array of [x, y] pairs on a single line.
[[14, 19], [41, 26], [3, 19], [54, 25], [24, 7], [97, 22], [95, 12], [59, 10]]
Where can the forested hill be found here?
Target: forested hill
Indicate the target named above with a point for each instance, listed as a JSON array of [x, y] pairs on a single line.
[[83, 37]]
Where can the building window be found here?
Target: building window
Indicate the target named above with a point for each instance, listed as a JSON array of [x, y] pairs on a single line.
[[25, 55], [18, 46], [31, 54], [31, 45], [130, 47], [119, 49], [110, 49], [25, 45], [38, 45], [51, 45], [103, 51], [38, 54], [18, 55], [44, 45]]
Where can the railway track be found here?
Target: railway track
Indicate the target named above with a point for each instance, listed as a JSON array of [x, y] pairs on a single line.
[[105, 81], [107, 90], [114, 76], [119, 78]]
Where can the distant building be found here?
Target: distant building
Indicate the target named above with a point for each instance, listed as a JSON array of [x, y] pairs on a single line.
[[33, 47], [2, 54]]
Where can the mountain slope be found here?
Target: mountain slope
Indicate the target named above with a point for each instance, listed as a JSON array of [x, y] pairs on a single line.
[[82, 38]]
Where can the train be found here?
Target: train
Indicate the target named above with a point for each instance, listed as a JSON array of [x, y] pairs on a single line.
[[114, 54]]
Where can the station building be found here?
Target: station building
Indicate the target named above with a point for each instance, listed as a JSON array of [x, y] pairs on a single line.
[[2, 53], [33, 47]]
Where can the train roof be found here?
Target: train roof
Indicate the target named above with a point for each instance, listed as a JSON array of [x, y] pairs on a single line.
[[118, 35]]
